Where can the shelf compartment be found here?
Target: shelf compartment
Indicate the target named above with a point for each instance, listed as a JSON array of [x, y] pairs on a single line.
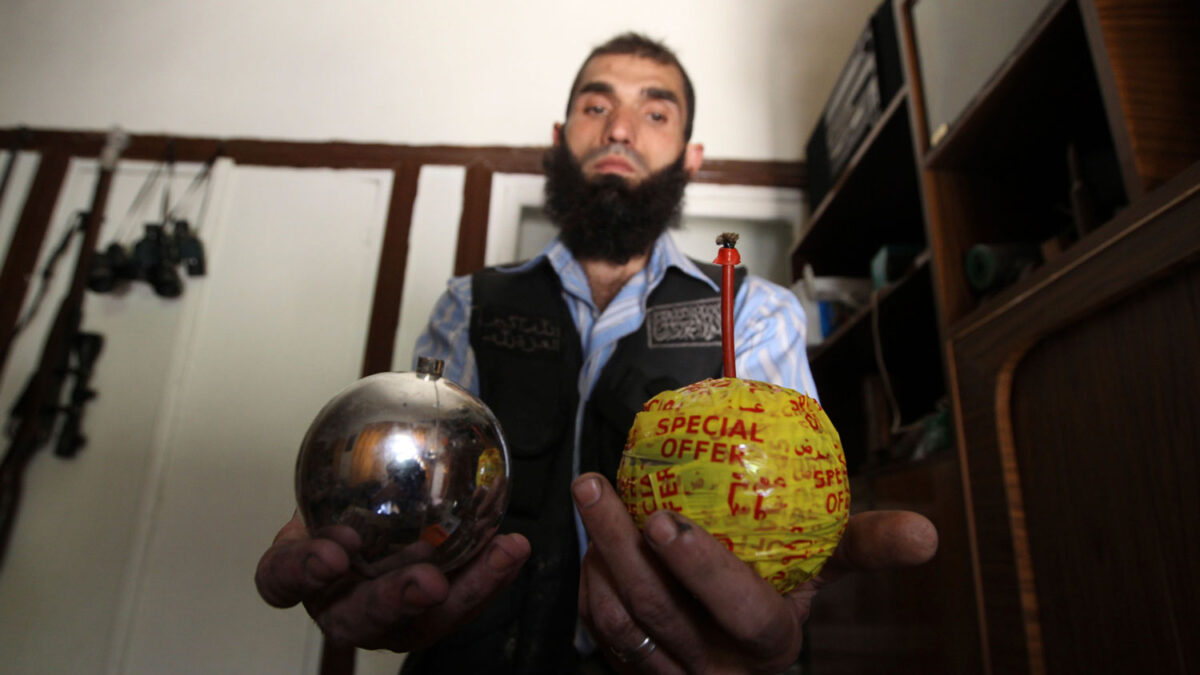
[[1032, 160], [908, 332], [875, 201], [1046, 91]]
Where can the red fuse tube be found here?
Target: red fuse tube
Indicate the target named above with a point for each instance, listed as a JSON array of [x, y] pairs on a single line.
[[727, 257]]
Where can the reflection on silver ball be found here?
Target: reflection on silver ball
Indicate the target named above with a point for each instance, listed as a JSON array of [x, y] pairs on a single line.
[[412, 463]]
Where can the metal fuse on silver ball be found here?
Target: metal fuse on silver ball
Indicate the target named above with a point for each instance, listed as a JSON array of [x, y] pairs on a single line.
[[412, 464]]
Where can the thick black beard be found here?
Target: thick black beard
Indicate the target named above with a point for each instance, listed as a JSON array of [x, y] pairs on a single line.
[[606, 218]]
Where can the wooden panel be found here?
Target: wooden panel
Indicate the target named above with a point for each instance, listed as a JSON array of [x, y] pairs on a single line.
[[1110, 479], [389, 282], [1150, 73], [346, 155], [744, 172], [472, 227], [1006, 614], [951, 297], [916, 620], [26, 243], [1150, 239]]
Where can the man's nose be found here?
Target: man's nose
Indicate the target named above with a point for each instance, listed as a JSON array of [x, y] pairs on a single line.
[[622, 126]]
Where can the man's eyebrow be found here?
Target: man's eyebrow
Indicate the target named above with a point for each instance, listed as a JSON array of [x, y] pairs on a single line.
[[662, 95], [656, 93], [596, 87]]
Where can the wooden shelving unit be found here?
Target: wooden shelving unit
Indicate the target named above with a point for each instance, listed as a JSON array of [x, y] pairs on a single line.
[[1057, 378], [869, 205], [1068, 505]]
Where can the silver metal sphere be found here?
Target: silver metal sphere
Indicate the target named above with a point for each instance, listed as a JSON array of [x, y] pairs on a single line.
[[414, 465]]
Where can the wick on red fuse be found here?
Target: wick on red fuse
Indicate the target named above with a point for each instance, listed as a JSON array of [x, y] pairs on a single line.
[[727, 257]]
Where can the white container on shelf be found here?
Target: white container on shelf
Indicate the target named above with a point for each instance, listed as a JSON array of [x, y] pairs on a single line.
[[823, 298]]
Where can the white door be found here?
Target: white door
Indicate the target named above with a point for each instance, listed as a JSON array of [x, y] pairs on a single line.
[[138, 556]]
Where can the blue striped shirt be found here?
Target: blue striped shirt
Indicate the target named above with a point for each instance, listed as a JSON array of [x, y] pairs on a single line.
[[769, 324]]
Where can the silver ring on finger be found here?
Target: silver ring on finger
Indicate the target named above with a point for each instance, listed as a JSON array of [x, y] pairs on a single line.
[[637, 654]]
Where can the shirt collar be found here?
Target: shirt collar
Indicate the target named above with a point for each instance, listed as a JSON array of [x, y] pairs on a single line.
[[663, 256], [666, 254]]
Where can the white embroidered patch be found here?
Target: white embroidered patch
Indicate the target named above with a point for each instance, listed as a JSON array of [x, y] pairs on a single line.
[[695, 323]]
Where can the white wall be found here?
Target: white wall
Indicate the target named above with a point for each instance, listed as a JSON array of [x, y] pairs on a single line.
[[463, 72]]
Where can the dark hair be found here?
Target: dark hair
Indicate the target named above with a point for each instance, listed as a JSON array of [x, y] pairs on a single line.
[[635, 44]]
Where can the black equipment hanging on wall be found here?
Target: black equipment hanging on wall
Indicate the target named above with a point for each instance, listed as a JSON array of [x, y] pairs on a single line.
[[165, 245], [67, 351]]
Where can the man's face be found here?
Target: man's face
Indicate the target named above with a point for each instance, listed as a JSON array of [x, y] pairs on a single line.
[[627, 119], [606, 218]]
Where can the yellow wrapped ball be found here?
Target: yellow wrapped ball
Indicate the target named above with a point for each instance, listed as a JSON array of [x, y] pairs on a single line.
[[757, 465]]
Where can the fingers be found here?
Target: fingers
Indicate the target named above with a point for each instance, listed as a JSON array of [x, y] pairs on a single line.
[[366, 613], [409, 607], [705, 608], [748, 609], [635, 579], [477, 584], [415, 606], [608, 621], [298, 567], [873, 540], [881, 540]]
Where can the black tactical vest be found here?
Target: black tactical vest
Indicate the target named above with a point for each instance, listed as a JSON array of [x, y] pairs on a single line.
[[529, 357]]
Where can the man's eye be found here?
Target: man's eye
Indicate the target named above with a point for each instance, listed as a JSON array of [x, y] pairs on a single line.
[[657, 117], [594, 109]]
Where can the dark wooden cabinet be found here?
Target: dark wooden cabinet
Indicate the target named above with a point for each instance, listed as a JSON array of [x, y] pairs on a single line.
[[1077, 405], [1069, 505]]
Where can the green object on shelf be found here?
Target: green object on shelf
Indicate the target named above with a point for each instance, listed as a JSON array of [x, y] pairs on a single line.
[[890, 263], [936, 435], [990, 267]]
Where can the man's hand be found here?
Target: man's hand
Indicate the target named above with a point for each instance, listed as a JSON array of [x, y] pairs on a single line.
[[702, 608], [407, 608]]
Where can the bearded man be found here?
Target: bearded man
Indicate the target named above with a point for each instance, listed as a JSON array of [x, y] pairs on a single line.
[[564, 349]]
